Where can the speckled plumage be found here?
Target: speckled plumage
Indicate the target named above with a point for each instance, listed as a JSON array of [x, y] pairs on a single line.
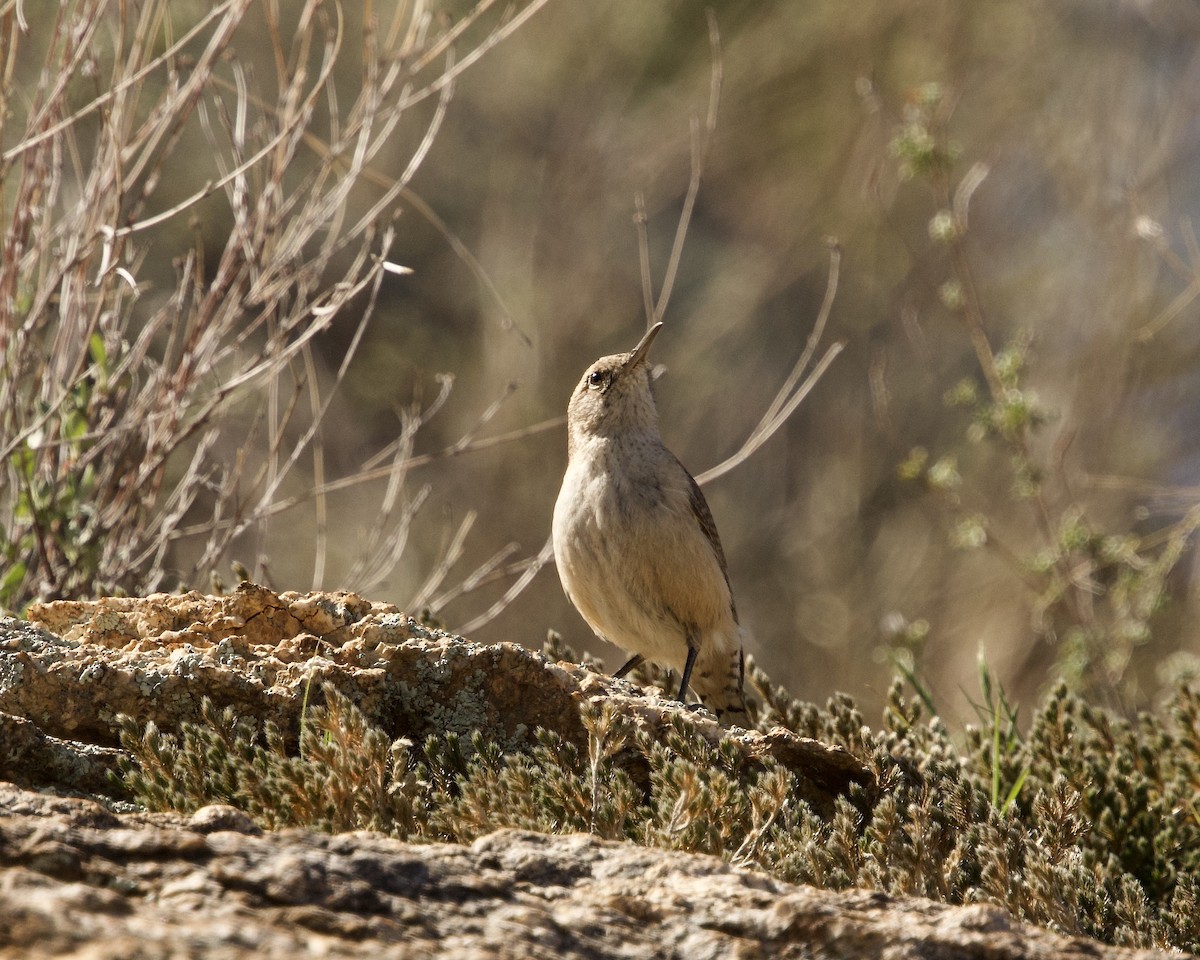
[[636, 546]]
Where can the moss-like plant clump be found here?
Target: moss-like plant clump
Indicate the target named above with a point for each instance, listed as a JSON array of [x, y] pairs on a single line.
[[1087, 824]]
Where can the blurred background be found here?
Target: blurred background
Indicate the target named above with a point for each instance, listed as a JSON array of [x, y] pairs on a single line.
[[1056, 542]]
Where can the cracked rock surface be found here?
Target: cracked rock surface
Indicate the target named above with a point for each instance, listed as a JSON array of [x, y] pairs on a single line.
[[78, 880], [67, 673]]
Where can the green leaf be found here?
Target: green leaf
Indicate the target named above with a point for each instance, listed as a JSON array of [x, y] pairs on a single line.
[[98, 352], [11, 582], [1014, 790]]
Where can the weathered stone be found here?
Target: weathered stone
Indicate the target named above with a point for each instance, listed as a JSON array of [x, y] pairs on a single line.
[[30, 756], [266, 655], [79, 880]]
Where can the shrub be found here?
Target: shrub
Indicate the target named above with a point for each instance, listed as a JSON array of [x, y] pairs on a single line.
[[1087, 824]]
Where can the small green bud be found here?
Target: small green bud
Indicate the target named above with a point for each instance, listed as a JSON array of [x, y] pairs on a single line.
[[944, 474], [951, 294], [1009, 364], [965, 393], [1074, 533], [913, 465], [942, 228], [1043, 561], [970, 533]]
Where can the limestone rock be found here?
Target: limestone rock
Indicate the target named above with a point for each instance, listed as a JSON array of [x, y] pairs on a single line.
[[78, 664], [78, 880], [79, 877]]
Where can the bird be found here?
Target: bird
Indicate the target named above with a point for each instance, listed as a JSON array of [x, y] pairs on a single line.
[[635, 543]]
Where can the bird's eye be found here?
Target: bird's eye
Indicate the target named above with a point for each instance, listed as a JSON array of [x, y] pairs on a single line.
[[595, 379]]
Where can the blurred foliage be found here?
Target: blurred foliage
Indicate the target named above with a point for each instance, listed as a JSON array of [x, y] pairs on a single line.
[[1097, 591], [830, 124], [864, 126], [1086, 825], [1013, 186]]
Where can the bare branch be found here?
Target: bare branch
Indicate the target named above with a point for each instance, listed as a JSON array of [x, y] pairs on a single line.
[[700, 144]]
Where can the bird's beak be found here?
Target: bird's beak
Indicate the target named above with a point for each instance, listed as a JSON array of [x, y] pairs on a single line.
[[643, 348]]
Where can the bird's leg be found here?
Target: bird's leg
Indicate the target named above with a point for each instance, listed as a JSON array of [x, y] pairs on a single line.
[[629, 665], [687, 673]]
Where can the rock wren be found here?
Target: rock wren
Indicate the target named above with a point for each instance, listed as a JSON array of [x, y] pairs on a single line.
[[635, 543]]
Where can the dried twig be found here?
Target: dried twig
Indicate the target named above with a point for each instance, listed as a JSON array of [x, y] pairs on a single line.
[[786, 400], [124, 427], [699, 152]]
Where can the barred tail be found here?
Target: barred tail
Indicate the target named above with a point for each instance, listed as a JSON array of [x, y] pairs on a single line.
[[717, 681]]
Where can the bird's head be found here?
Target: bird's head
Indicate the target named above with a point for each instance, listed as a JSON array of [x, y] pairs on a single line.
[[615, 396]]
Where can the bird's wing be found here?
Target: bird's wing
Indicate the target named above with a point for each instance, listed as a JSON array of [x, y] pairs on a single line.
[[704, 517]]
